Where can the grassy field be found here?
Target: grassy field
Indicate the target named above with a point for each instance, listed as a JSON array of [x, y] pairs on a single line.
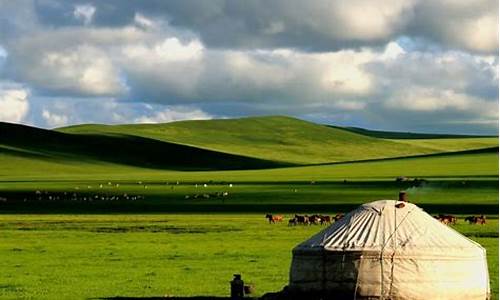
[[153, 210], [446, 165], [97, 256], [465, 183]]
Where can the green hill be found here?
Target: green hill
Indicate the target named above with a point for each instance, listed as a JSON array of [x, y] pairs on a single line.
[[34, 147], [407, 135], [284, 139]]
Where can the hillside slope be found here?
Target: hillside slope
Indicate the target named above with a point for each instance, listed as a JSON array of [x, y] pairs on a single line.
[[45, 148], [281, 139], [407, 135]]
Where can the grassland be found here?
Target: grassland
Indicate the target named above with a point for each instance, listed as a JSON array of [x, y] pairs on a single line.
[[97, 256], [108, 211]]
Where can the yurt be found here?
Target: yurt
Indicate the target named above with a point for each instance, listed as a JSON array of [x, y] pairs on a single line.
[[390, 249]]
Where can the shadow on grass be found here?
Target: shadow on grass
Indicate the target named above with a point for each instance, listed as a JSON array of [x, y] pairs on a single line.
[[171, 298], [149, 207]]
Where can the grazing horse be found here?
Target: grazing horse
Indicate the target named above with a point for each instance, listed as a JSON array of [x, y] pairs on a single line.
[[338, 217], [274, 219], [476, 220], [314, 219], [470, 219], [304, 220], [449, 218], [481, 220], [446, 219], [292, 222], [325, 219]]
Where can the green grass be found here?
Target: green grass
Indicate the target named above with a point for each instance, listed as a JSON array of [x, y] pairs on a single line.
[[449, 165], [281, 139], [451, 144], [437, 196], [94, 256], [406, 135], [71, 247]]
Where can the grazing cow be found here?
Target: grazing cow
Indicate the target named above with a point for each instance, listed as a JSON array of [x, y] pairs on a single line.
[[292, 222], [274, 219]]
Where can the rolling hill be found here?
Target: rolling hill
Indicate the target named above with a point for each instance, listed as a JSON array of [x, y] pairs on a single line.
[[232, 144], [40, 148], [285, 139]]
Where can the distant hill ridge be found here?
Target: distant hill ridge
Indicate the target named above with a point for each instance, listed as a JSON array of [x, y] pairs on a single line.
[[407, 135], [289, 140]]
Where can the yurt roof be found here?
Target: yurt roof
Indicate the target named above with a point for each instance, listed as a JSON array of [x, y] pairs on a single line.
[[381, 226]]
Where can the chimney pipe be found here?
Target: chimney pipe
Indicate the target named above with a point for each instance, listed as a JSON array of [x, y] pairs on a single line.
[[403, 196]]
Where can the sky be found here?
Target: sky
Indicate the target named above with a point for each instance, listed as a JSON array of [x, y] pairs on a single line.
[[404, 65]]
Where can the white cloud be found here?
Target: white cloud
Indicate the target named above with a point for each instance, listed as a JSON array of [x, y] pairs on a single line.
[[84, 13], [469, 25], [431, 100], [3, 52], [174, 113], [144, 22], [14, 104], [367, 19], [53, 119], [82, 69], [170, 49], [353, 69]]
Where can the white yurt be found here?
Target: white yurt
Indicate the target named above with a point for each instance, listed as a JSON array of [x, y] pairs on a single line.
[[390, 249]]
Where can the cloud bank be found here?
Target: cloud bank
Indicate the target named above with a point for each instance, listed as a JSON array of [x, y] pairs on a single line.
[[400, 65]]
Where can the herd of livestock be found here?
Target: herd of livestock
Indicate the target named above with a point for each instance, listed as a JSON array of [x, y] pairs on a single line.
[[305, 219], [449, 219], [325, 219]]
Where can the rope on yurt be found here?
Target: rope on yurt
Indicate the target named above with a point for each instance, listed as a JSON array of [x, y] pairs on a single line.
[[396, 226], [394, 240], [345, 245], [323, 282]]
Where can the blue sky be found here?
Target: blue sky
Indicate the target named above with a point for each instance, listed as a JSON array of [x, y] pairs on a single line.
[[407, 65]]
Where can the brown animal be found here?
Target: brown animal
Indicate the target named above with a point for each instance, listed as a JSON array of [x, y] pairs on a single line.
[[481, 220], [476, 220], [314, 219], [304, 220], [325, 219], [446, 219], [338, 217], [274, 219]]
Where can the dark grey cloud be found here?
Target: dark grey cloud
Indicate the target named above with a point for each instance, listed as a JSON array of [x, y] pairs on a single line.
[[321, 25]]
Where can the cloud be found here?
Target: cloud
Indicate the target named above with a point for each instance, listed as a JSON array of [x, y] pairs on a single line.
[[74, 69], [435, 100], [320, 25], [14, 104], [54, 120], [84, 13], [468, 25], [359, 61], [175, 113]]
